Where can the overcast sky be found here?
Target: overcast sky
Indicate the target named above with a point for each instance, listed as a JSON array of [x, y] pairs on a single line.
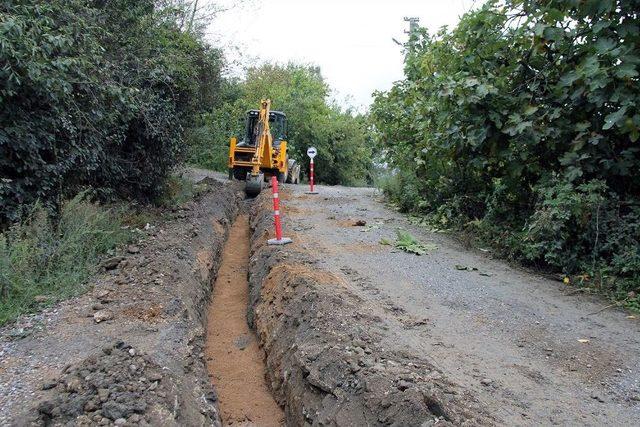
[[351, 40]]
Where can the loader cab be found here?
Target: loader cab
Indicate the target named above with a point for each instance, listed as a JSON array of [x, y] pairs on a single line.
[[277, 123]]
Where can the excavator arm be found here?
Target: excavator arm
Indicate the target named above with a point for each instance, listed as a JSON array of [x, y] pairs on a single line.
[[257, 155], [264, 138]]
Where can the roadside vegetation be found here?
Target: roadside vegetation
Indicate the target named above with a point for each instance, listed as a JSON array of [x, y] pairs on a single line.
[[105, 100], [43, 261], [96, 95], [95, 101], [521, 126]]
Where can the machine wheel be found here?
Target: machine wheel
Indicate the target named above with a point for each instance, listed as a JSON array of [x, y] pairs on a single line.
[[254, 184]]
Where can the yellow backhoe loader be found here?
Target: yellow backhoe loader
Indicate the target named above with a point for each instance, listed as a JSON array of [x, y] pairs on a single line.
[[262, 153]]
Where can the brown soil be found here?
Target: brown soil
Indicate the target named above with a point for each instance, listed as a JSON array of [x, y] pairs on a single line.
[[234, 360], [382, 337], [361, 247]]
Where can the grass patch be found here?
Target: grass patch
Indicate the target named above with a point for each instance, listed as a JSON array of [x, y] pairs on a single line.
[[42, 261], [179, 190]]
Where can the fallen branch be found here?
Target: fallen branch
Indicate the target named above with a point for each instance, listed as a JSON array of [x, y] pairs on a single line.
[[575, 291], [603, 309]]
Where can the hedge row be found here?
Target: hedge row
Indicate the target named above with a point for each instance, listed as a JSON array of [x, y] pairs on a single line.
[[523, 124], [95, 94]]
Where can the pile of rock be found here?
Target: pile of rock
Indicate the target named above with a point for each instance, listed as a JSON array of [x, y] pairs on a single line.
[[116, 387]]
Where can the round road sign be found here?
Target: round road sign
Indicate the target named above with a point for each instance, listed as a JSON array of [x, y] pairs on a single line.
[[311, 152]]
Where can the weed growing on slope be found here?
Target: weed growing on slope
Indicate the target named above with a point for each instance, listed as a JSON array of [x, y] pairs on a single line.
[[43, 261], [178, 190]]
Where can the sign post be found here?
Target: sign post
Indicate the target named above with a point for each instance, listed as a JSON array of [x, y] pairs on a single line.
[[279, 240], [311, 152]]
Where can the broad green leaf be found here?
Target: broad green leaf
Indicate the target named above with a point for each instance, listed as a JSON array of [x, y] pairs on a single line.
[[569, 78], [604, 45], [530, 110], [582, 126], [626, 70], [612, 118], [589, 66], [600, 25]]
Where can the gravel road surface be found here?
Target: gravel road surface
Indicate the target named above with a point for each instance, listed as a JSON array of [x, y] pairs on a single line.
[[531, 351]]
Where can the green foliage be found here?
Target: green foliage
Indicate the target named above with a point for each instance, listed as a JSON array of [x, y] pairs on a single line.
[[41, 258], [523, 123], [408, 243], [178, 190], [208, 140], [301, 92], [95, 93]]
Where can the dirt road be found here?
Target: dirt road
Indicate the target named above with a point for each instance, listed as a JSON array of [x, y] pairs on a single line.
[[354, 332], [529, 351]]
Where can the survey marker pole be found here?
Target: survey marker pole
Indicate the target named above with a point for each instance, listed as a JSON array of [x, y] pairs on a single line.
[[279, 240]]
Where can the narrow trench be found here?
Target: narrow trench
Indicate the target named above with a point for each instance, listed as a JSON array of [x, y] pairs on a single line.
[[235, 362]]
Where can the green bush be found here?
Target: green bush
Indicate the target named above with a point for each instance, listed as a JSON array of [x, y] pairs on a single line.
[[95, 93], [43, 258], [177, 191], [208, 141], [523, 123]]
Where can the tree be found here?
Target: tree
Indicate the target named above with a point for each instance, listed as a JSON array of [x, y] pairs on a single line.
[[95, 94], [516, 118]]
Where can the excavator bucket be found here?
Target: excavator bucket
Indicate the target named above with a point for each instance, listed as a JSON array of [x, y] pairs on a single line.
[[254, 184]]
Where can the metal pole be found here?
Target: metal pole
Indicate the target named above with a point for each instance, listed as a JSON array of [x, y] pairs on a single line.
[[311, 176]]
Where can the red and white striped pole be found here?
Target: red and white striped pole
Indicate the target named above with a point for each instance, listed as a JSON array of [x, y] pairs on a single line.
[[311, 176], [279, 240], [311, 152]]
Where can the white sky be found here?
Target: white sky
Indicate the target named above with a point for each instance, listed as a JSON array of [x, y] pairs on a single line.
[[351, 40]]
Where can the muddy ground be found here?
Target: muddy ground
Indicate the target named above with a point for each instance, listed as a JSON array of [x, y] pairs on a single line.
[[130, 351], [354, 328]]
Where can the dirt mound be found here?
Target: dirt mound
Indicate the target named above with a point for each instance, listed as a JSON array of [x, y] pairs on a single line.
[[117, 386], [326, 357]]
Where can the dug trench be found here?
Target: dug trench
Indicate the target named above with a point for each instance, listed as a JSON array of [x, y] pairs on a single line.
[[190, 330], [234, 359]]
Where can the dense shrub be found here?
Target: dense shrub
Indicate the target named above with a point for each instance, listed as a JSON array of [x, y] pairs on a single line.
[[208, 140], [94, 93], [523, 122]]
